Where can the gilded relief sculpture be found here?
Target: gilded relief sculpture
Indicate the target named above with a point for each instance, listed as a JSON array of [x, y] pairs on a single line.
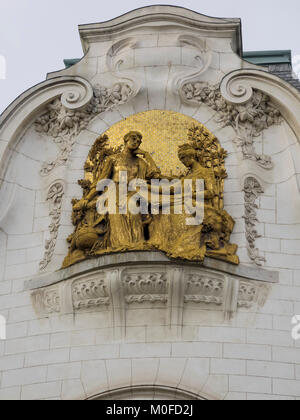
[[201, 158], [204, 159]]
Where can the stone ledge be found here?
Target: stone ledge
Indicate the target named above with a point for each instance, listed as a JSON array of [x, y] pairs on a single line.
[[143, 258], [166, 291]]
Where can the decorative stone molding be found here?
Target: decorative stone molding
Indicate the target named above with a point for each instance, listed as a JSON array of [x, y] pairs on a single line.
[[252, 189], [54, 197], [74, 91], [203, 57], [113, 64], [145, 287], [148, 392], [63, 121], [249, 119], [238, 87], [89, 294], [47, 301], [251, 294], [158, 17], [119, 287], [204, 289]]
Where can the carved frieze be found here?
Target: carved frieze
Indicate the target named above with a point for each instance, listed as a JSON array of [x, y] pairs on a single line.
[[251, 294], [247, 295], [204, 289], [47, 300], [145, 287], [89, 293], [175, 288]]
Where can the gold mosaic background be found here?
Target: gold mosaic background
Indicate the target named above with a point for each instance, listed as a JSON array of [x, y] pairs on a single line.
[[163, 132]]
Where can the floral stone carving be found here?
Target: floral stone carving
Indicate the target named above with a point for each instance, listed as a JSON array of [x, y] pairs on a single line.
[[146, 287], [65, 124], [47, 301], [248, 120], [251, 294], [54, 196], [175, 289], [252, 189], [89, 294], [204, 289]]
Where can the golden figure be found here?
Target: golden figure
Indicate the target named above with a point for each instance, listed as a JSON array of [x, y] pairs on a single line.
[[122, 232], [97, 234], [127, 230], [171, 234]]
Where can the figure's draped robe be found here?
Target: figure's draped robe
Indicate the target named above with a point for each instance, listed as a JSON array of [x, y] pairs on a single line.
[[126, 231]]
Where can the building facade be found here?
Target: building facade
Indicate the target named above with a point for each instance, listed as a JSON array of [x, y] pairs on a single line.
[[143, 322]]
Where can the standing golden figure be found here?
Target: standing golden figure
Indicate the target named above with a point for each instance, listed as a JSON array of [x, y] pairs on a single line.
[[120, 231]]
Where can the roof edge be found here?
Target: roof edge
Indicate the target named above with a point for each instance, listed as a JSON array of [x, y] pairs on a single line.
[[161, 13]]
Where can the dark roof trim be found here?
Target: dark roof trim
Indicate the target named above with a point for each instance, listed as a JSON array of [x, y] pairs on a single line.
[[69, 62], [268, 57]]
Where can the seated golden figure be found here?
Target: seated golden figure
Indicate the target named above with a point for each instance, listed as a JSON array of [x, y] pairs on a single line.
[[171, 233]]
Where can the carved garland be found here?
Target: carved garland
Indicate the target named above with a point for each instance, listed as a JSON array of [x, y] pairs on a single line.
[[65, 124], [54, 196], [248, 120], [252, 189]]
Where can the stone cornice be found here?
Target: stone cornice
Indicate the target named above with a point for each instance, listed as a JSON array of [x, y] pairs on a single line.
[[152, 16], [123, 282], [141, 258]]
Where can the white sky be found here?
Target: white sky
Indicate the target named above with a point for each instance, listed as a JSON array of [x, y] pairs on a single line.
[[36, 35]]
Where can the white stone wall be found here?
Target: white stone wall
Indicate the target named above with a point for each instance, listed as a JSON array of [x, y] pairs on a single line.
[[252, 356]]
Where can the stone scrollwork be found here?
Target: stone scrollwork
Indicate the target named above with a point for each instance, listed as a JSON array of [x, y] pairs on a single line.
[[65, 118], [114, 64], [203, 57], [252, 189], [54, 197], [250, 114], [146, 287]]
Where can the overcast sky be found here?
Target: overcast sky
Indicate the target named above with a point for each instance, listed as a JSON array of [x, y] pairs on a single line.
[[36, 35]]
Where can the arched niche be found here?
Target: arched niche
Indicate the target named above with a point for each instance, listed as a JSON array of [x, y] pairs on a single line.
[[147, 392]]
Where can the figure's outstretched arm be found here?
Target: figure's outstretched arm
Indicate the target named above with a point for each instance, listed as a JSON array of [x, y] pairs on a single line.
[[105, 174]]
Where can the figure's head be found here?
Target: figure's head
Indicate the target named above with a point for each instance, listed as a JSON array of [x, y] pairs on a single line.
[[133, 140], [187, 155], [77, 213]]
